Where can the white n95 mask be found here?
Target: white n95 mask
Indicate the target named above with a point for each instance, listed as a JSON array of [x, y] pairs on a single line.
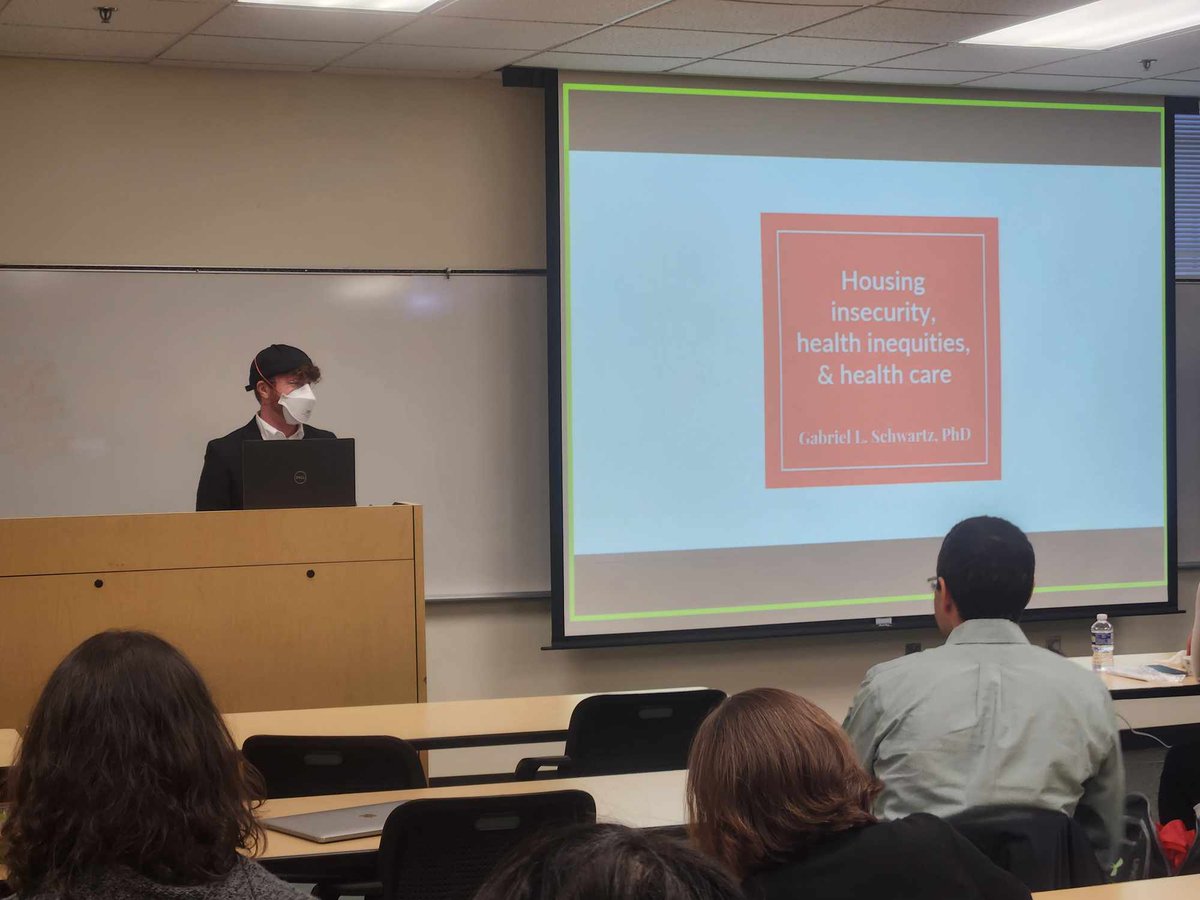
[[298, 405]]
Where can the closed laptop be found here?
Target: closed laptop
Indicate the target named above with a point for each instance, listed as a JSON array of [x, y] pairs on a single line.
[[335, 824]]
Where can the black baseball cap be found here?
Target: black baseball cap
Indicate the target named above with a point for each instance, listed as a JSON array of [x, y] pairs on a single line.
[[278, 359]]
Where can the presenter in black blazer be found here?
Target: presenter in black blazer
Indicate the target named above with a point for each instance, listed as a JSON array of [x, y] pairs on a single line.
[[281, 378]]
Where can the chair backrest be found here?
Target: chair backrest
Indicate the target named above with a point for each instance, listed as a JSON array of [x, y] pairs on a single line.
[[302, 766], [445, 848], [613, 734], [1046, 849]]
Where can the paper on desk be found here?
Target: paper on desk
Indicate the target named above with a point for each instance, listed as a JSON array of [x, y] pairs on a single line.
[[1145, 673]]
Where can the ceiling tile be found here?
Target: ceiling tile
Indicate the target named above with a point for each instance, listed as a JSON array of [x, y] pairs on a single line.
[[1173, 53], [439, 74], [1003, 7], [906, 76], [878, 24], [1157, 87], [132, 15], [1028, 82], [602, 62], [430, 59], [981, 58], [303, 24], [745, 69], [447, 31], [244, 67], [588, 12], [82, 43], [658, 42], [209, 48], [847, 5], [734, 15], [824, 51]]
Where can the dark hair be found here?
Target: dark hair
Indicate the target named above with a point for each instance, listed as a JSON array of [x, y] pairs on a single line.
[[126, 762], [769, 775], [988, 564], [608, 862]]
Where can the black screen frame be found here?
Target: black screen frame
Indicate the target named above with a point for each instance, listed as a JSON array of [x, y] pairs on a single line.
[[550, 81]]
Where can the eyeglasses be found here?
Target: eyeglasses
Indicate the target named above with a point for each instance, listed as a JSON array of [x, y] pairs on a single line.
[[933, 583]]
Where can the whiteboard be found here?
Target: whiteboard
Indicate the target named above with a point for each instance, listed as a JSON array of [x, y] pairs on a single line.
[[114, 381]]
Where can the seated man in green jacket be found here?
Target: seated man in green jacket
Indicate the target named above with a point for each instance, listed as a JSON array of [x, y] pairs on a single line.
[[988, 718]]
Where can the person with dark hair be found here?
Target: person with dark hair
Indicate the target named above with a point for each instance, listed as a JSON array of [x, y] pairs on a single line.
[[775, 793], [281, 378], [127, 784], [608, 862], [988, 718], [1179, 785]]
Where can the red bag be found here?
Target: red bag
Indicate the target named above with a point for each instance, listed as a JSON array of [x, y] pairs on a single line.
[[1176, 841]]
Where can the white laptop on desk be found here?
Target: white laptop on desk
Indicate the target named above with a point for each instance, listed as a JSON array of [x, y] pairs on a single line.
[[331, 825]]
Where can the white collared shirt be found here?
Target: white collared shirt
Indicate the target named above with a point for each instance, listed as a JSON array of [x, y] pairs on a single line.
[[270, 433]]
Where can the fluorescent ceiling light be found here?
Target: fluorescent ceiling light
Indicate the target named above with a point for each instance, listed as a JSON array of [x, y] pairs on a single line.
[[1099, 25], [373, 5]]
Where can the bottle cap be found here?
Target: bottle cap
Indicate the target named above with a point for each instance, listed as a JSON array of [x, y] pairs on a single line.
[[1102, 617]]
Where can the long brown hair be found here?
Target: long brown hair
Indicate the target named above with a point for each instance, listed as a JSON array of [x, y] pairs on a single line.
[[126, 762], [769, 774]]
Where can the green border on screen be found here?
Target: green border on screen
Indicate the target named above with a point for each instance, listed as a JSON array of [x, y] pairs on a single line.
[[568, 466]]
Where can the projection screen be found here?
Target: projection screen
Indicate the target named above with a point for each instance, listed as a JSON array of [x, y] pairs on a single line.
[[798, 334]]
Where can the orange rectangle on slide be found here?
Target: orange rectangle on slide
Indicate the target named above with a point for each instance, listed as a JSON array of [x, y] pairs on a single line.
[[881, 339]]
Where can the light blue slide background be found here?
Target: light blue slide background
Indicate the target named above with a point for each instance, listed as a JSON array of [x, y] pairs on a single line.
[[667, 359]]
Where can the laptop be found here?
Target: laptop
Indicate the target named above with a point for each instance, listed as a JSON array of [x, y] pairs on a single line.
[[295, 474], [335, 824]]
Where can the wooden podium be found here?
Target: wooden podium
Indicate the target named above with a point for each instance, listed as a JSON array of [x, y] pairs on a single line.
[[279, 609]]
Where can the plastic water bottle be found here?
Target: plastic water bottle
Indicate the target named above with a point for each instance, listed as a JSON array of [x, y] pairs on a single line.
[[1102, 644]]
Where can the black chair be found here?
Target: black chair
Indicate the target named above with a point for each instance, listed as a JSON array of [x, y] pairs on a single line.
[[1045, 849], [613, 734], [301, 766], [444, 849], [293, 766]]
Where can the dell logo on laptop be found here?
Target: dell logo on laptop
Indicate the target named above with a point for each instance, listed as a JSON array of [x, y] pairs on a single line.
[[300, 477]]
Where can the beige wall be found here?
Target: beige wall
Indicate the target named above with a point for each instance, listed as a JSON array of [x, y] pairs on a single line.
[[114, 164], [138, 165]]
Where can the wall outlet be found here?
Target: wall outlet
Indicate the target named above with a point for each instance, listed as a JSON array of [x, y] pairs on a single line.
[[1055, 643], [914, 647]]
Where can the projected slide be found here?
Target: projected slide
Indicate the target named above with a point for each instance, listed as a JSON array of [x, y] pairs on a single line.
[[890, 372], [803, 335]]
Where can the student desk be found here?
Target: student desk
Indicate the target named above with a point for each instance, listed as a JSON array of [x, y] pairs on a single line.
[[1131, 689], [643, 800], [1178, 888], [439, 725], [427, 726]]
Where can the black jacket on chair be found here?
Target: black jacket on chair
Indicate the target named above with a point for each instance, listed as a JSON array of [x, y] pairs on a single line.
[[1047, 849], [221, 478], [916, 858]]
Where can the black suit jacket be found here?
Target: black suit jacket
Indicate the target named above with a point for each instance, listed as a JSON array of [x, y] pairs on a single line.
[[916, 858], [221, 478]]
